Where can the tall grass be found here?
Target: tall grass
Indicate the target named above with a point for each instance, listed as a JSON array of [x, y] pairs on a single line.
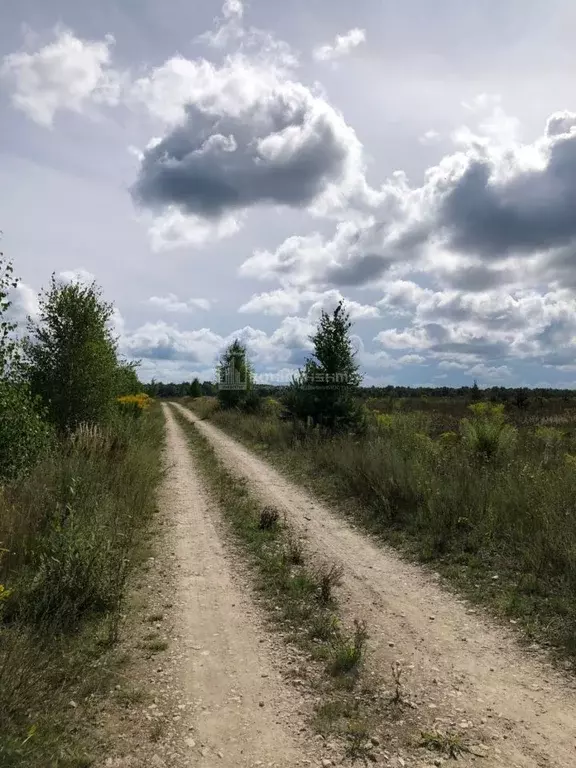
[[491, 505], [69, 531]]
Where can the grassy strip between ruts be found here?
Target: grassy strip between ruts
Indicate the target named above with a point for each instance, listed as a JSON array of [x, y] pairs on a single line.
[[299, 597], [72, 531]]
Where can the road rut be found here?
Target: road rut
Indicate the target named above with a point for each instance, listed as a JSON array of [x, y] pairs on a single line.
[[240, 704]]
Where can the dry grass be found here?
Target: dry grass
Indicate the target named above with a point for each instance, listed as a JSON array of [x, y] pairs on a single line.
[[71, 530]]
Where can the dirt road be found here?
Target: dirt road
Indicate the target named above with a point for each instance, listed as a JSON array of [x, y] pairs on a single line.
[[241, 707], [470, 674]]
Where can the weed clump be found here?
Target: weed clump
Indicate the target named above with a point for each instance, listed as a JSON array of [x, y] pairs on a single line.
[[269, 518], [328, 578], [349, 653]]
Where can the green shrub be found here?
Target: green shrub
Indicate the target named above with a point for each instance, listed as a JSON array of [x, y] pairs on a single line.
[[24, 436], [487, 435], [551, 442], [251, 402]]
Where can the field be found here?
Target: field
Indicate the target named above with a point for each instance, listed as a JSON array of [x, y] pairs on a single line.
[[484, 494]]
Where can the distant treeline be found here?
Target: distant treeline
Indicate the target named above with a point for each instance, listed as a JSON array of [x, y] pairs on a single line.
[[521, 397], [180, 389]]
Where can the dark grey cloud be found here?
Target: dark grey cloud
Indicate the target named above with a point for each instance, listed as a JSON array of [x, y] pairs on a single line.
[[477, 277], [532, 210], [281, 152], [561, 267], [367, 267], [164, 352], [483, 348], [373, 251]]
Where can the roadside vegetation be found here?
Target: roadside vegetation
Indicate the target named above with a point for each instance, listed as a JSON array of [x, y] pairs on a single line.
[[486, 492], [79, 461]]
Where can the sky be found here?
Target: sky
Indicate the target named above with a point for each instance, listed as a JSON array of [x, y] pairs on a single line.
[[231, 170]]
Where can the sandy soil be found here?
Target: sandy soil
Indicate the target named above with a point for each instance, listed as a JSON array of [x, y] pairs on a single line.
[[468, 674]]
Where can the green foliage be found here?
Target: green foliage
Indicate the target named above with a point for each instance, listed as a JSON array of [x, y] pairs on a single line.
[[71, 356], [71, 505], [522, 398], [235, 376], [325, 388], [350, 653], [448, 439], [24, 437], [553, 443], [487, 435], [8, 346], [75, 556], [271, 407], [127, 379], [252, 402]]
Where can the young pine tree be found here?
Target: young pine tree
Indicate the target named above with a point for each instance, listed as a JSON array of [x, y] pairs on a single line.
[[196, 388], [325, 388], [234, 376], [475, 393]]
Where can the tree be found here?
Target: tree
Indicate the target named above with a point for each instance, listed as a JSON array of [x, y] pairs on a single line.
[[24, 436], [325, 388], [522, 398], [127, 382], [234, 375], [8, 345], [196, 388], [208, 388], [70, 355], [475, 393]]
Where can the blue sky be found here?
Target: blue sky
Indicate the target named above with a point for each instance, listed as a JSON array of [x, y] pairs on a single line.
[[231, 170]]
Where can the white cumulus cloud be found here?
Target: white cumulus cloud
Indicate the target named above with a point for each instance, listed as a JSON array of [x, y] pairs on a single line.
[[66, 74], [342, 45]]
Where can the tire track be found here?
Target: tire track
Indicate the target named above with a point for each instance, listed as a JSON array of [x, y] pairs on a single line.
[[242, 713]]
